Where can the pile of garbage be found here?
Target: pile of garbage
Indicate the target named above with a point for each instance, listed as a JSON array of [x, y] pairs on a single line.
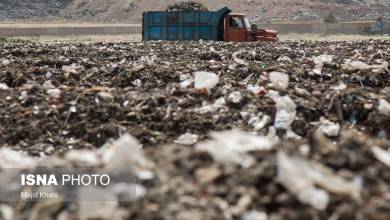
[[187, 6], [211, 130]]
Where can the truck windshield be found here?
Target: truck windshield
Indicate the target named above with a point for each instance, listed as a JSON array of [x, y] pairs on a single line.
[[247, 24], [236, 22]]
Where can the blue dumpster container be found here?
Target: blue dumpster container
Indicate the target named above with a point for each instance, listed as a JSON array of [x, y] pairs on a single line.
[[183, 25]]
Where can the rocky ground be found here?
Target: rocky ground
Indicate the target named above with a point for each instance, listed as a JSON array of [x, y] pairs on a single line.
[[310, 123]]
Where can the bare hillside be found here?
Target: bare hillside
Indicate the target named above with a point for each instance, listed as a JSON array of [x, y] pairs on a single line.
[[131, 10]]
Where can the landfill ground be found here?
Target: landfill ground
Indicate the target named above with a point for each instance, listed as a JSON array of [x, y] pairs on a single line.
[[138, 37], [57, 97]]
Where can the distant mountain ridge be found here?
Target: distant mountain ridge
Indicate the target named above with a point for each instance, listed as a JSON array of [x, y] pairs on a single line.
[[131, 10]]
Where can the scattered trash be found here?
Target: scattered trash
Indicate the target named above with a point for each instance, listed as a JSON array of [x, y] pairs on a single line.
[[329, 128], [44, 210], [6, 212], [340, 86], [3, 86], [48, 85], [124, 154], [361, 66], [149, 102], [218, 104], [55, 93], [255, 89], [5, 62], [205, 80], [137, 83], [69, 69], [319, 63], [207, 175], [83, 158], [285, 110], [186, 82], [254, 215], [279, 80], [238, 60], [384, 107], [301, 177], [128, 192], [259, 124], [187, 139], [105, 95], [284, 59], [13, 159], [382, 155], [97, 203], [233, 146], [50, 150], [302, 92], [234, 97]]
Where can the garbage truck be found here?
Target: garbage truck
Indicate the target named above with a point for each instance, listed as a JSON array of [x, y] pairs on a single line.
[[221, 25]]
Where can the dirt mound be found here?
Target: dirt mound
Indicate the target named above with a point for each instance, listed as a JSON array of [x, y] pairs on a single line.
[[187, 6]]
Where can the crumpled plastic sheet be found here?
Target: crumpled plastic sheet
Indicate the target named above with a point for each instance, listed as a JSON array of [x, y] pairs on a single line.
[[382, 155], [310, 181], [361, 66], [234, 146], [205, 80], [13, 159], [330, 129], [285, 110], [384, 107], [320, 62], [279, 80], [238, 60]]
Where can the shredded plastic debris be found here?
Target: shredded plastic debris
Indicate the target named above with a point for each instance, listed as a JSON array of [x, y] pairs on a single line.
[[3, 86], [205, 80], [206, 108], [329, 128], [186, 81], [6, 212], [285, 110], [234, 146], [279, 81], [320, 61], [238, 60], [284, 59], [5, 62], [254, 215], [124, 154], [361, 66], [258, 124], [301, 177], [382, 155], [55, 93], [100, 204], [83, 158], [234, 97], [255, 89], [187, 139], [13, 159], [384, 107]]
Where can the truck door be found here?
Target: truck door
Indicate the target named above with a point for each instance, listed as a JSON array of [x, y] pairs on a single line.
[[235, 29]]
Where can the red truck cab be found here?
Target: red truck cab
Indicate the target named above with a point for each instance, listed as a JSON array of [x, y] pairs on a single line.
[[238, 29]]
